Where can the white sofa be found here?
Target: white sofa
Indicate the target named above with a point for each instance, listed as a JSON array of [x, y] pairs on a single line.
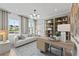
[[21, 42]]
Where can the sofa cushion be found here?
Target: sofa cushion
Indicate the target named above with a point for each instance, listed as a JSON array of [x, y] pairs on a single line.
[[29, 35], [25, 35], [24, 41], [21, 37], [29, 38]]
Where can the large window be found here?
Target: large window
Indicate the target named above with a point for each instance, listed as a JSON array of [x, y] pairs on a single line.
[[31, 26], [14, 25]]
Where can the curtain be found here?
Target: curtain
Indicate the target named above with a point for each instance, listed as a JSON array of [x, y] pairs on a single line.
[[3, 22], [35, 26], [24, 25]]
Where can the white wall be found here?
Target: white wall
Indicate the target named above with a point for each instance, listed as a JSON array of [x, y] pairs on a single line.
[[0, 20], [24, 25], [3, 21], [77, 45]]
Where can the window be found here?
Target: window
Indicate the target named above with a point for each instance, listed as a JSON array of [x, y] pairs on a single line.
[[14, 25], [31, 26]]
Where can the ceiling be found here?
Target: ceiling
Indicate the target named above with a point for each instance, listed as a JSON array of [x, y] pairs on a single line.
[[46, 10]]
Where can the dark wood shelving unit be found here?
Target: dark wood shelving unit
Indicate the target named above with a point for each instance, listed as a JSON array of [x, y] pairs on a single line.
[[51, 25], [62, 20]]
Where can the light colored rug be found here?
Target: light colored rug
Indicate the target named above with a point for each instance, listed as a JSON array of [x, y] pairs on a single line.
[[26, 50], [29, 50]]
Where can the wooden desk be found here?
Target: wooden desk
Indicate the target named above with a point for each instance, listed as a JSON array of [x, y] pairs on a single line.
[[43, 41], [4, 34]]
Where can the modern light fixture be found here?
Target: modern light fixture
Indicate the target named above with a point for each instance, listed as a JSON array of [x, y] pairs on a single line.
[[35, 15], [55, 9]]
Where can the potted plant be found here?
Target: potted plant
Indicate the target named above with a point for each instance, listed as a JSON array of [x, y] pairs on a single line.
[[57, 34]]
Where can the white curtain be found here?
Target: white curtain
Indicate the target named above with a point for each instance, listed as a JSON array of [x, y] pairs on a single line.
[[0, 19], [32, 26], [3, 21], [24, 25]]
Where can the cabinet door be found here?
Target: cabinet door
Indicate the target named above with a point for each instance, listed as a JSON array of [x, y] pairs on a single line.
[[41, 45], [67, 52]]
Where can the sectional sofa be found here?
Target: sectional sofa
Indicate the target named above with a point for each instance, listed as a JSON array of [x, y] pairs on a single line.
[[20, 40]]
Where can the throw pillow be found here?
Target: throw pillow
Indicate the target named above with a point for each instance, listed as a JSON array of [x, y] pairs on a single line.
[[30, 35], [21, 37]]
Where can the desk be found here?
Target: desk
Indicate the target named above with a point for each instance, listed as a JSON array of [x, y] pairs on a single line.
[[4, 34], [43, 41]]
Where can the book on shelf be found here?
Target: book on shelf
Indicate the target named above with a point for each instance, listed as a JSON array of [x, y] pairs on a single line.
[[49, 28], [49, 21]]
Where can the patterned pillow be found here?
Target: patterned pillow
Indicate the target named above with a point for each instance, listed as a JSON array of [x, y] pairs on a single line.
[[21, 37], [30, 35]]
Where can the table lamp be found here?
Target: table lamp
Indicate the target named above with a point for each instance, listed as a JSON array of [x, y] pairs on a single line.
[[4, 34]]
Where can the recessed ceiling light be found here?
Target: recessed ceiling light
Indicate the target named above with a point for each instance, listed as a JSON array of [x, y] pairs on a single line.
[[55, 9], [16, 9]]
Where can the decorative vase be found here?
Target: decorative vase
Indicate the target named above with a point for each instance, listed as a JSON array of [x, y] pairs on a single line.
[[58, 38]]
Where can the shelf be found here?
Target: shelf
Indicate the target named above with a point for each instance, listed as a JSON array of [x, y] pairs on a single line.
[[53, 23], [49, 33], [65, 20], [49, 26], [48, 30]]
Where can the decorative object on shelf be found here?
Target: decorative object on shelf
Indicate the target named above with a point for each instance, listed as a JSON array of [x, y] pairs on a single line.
[[54, 37], [49, 21], [57, 34], [59, 21], [49, 28], [53, 23], [64, 28]]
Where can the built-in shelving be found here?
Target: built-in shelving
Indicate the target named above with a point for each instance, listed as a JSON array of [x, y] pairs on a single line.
[[51, 25]]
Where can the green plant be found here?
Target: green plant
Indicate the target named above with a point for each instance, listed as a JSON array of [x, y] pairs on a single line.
[[57, 33]]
